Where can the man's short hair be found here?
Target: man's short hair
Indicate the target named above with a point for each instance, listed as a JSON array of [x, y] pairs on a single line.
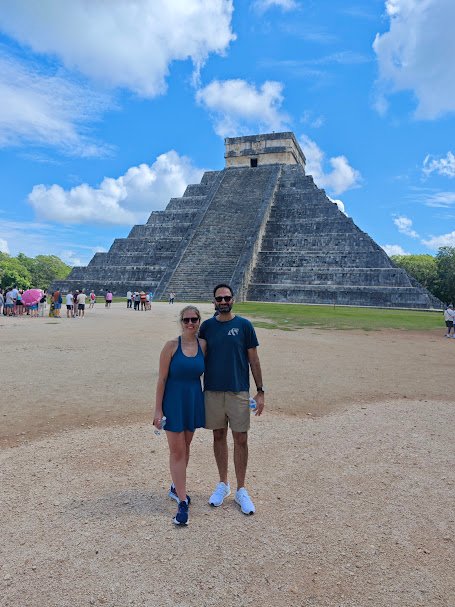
[[223, 286]]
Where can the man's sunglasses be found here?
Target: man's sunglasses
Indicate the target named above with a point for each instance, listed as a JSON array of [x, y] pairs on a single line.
[[193, 319], [227, 298]]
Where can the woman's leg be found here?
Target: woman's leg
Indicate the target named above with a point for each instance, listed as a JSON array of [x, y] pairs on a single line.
[[188, 438], [179, 451]]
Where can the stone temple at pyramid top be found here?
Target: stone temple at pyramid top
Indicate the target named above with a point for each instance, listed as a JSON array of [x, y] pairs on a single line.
[[260, 150]]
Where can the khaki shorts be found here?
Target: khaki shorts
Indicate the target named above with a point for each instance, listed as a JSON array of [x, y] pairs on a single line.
[[222, 408]]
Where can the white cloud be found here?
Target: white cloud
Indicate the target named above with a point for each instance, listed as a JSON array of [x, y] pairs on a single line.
[[125, 200], [313, 121], [239, 108], [404, 225], [43, 109], [339, 203], [394, 249], [264, 5], [441, 166], [441, 200], [342, 177], [38, 238], [4, 246], [416, 55], [445, 240], [118, 43], [70, 258]]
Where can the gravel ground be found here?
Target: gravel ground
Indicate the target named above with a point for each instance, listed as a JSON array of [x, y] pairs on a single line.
[[354, 493], [353, 509]]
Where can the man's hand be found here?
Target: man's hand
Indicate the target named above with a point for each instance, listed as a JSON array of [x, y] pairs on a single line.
[[259, 398]]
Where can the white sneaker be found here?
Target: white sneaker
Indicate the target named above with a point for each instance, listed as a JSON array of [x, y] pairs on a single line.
[[244, 501], [217, 498]]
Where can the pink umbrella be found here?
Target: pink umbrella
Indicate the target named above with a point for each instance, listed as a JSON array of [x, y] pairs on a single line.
[[31, 296]]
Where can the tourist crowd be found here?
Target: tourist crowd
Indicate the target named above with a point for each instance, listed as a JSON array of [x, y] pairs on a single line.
[[139, 300], [12, 304]]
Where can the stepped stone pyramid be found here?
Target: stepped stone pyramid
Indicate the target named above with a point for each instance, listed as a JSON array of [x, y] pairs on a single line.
[[262, 225]]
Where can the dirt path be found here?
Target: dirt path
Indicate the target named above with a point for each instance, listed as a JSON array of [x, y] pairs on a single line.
[[354, 502]]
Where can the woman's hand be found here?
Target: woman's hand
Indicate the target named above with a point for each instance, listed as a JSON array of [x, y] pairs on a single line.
[[157, 419]]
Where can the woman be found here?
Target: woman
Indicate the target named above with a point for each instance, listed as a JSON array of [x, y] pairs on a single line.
[[179, 398], [19, 304]]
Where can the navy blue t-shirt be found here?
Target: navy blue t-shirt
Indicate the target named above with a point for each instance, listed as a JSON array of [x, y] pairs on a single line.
[[226, 364]]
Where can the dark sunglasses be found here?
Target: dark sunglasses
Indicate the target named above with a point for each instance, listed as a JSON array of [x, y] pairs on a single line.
[[193, 319], [227, 298]]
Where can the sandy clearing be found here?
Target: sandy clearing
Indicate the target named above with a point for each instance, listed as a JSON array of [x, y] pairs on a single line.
[[354, 502], [64, 373]]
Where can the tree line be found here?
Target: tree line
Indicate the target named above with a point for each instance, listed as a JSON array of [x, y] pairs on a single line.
[[437, 274], [26, 272]]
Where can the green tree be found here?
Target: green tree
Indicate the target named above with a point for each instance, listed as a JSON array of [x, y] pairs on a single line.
[[423, 268], [48, 268], [446, 274], [13, 272], [39, 271]]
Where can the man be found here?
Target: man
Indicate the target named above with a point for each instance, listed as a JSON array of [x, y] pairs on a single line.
[[81, 304], [129, 295], [231, 351], [14, 294], [69, 305], [9, 302], [137, 300], [57, 298], [449, 317], [75, 296]]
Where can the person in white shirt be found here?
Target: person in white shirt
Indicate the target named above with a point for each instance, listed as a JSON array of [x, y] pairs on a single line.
[[69, 305], [449, 317], [9, 302], [129, 299], [81, 304]]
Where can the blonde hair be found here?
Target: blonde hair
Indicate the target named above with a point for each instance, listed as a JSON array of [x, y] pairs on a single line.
[[186, 309]]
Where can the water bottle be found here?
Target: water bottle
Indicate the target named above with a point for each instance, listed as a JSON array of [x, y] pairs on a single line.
[[253, 404], [157, 431]]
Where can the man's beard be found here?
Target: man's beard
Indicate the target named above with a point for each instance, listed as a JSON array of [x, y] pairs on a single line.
[[223, 308]]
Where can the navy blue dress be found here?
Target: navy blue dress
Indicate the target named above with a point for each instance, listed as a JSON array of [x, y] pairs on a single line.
[[183, 401]]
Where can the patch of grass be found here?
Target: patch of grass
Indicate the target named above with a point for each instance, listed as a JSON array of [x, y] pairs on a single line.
[[297, 316]]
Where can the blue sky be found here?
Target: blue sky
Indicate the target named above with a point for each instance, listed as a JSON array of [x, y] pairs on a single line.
[[108, 109]]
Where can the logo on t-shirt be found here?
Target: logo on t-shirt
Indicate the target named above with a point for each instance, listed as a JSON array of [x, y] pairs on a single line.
[[233, 332]]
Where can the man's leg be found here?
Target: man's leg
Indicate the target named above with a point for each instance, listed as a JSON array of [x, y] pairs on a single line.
[[240, 456], [220, 449]]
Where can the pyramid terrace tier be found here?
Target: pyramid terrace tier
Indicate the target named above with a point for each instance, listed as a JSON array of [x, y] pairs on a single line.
[[342, 295], [372, 277]]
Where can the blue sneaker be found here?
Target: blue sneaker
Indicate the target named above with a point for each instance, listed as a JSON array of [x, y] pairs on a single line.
[[173, 495], [181, 518]]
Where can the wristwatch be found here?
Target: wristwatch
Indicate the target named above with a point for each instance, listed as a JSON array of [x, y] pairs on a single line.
[[260, 389]]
